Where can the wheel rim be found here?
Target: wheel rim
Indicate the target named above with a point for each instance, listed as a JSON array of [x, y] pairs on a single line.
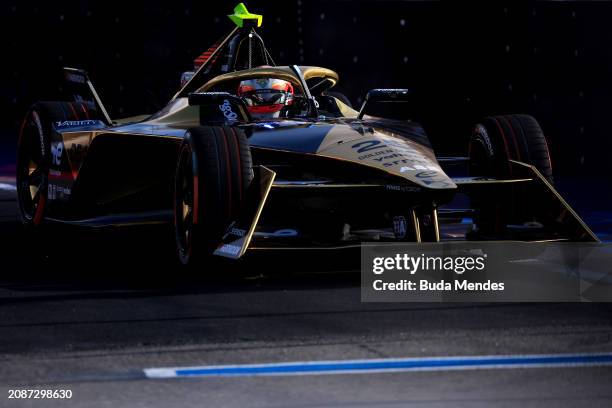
[[32, 178], [184, 204]]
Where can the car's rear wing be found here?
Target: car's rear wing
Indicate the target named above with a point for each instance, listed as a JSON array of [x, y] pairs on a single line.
[[81, 89]]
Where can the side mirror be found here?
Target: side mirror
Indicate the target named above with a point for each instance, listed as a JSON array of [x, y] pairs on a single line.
[[387, 103], [219, 108]]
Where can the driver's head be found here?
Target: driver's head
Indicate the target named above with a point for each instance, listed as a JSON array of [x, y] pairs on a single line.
[[266, 97]]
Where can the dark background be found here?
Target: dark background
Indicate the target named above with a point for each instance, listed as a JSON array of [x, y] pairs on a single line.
[[462, 60]]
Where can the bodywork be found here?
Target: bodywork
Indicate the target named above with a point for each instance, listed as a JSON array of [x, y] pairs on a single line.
[[330, 180]]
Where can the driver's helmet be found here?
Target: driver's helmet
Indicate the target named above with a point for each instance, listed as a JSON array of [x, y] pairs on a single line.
[[266, 97]]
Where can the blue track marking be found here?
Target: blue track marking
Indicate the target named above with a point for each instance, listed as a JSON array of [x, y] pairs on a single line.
[[385, 365]]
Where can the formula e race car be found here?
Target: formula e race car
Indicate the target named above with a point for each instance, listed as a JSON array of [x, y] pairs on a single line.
[[249, 155]]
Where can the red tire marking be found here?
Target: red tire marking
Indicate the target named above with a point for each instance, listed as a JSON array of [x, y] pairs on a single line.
[[74, 112], [196, 185], [196, 198], [40, 208], [229, 173], [547, 150], [503, 135], [516, 148], [239, 164], [21, 129], [549, 156], [85, 111]]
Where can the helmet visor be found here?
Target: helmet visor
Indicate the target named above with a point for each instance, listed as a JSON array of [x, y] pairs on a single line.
[[261, 97]]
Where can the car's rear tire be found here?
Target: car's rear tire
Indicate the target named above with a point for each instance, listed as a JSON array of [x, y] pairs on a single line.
[[493, 144], [214, 169], [34, 155], [498, 139]]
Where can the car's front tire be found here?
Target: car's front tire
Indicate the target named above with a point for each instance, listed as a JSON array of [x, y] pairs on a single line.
[[214, 169]]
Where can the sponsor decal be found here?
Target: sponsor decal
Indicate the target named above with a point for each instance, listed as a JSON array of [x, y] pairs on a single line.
[[57, 149], [415, 167], [56, 192], [388, 91], [40, 133], [78, 78], [226, 109], [403, 189], [400, 227], [229, 249], [75, 123], [281, 233], [237, 232], [484, 135], [434, 178], [186, 77], [394, 153], [398, 156]]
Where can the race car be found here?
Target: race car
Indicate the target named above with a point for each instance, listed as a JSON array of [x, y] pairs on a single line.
[[249, 155]]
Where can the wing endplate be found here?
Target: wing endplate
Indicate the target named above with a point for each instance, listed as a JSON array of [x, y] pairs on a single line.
[[238, 236]]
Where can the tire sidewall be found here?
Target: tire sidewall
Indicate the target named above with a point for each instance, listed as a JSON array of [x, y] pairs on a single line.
[[185, 250], [37, 119], [482, 152], [221, 170]]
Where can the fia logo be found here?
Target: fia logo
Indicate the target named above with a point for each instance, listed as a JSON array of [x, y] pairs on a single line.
[[400, 227], [56, 152]]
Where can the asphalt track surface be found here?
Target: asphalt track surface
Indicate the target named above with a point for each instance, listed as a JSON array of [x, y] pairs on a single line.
[[90, 312]]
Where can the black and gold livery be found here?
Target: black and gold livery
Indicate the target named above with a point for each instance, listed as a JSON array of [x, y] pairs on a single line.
[[321, 175]]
